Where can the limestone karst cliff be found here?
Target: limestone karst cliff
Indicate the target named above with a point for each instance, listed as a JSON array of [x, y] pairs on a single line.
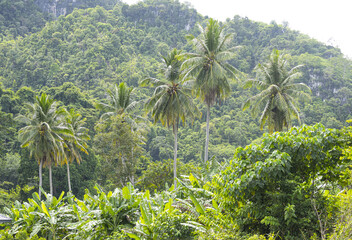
[[64, 7]]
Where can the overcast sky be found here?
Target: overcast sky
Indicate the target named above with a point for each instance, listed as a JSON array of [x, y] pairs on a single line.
[[325, 20]]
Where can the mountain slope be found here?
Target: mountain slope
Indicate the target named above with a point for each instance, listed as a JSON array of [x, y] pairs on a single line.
[[94, 48], [20, 17]]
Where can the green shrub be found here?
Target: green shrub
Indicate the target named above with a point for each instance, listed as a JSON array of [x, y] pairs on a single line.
[[282, 184]]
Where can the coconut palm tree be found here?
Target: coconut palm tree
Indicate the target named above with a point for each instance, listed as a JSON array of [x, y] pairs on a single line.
[[171, 101], [119, 103], [210, 68], [76, 142], [277, 99], [42, 133]]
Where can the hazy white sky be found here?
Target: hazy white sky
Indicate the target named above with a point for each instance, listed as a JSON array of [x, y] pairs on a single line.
[[325, 20]]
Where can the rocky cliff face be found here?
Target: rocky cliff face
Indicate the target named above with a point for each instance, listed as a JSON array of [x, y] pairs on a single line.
[[64, 7]]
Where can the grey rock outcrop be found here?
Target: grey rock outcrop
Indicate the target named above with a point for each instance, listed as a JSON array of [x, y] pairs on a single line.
[[64, 7]]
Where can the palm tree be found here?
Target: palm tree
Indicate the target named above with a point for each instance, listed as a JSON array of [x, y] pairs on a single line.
[[277, 99], [42, 133], [76, 142], [210, 68], [120, 104], [171, 100]]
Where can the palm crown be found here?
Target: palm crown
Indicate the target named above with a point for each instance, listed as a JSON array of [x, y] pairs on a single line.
[[120, 103], [42, 131], [171, 100], [119, 100], [277, 99], [209, 63]]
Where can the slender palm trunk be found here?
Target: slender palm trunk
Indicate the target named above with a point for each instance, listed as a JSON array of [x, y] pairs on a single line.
[[50, 179], [124, 169], [207, 135], [54, 236], [40, 177], [68, 176], [132, 161], [175, 154], [132, 180]]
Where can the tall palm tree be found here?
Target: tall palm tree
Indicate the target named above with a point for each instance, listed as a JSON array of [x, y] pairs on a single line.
[[277, 99], [171, 100], [210, 68], [42, 133], [76, 142]]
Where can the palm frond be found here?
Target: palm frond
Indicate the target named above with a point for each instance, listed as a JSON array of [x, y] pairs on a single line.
[[265, 114]]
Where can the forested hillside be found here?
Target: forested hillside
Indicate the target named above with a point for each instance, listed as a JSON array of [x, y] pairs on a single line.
[[79, 53], [19, 18], [95, 48], [23, 17]]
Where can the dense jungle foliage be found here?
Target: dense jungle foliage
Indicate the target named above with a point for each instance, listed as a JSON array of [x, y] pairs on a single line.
[[90, 62]]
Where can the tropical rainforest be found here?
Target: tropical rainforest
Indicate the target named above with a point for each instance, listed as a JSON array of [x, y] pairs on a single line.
[[151, 121]]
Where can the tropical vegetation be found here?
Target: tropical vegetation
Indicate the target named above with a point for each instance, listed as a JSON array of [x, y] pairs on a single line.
[[73, 103]]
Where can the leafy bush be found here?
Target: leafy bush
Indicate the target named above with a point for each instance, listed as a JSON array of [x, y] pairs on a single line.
[[280, 185]]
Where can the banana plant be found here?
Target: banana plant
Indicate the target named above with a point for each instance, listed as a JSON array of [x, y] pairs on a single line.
[[150, 209], [144, 228], [47, 218], [105, 214], [198, 193]]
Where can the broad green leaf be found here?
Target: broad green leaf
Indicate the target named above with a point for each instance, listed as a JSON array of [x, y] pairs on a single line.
[[126, 193], [134, 236], [44, 209]]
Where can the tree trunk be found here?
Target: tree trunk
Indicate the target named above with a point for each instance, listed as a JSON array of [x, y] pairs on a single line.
[[131, 177], [68, 176], [40, 177], [124, 170], [175, 154], [132, 161], [51, 180], [207, 135]]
